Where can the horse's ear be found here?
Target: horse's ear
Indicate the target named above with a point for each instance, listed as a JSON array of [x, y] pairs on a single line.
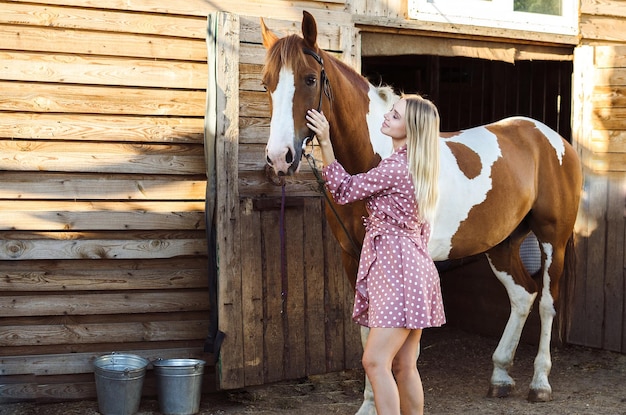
[[269, 38], [309, 29]]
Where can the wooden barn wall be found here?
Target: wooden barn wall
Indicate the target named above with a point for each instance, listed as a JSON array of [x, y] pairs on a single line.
[[280, 323], [598, 317], [102, 188], [102, 200]]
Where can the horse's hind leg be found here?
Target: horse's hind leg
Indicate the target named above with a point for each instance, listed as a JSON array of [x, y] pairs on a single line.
[[521, 289], [554, 258]]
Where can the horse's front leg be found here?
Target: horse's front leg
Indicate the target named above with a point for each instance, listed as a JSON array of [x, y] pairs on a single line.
[[502, 384]]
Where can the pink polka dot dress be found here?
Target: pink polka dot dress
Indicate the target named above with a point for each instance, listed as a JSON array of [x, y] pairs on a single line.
[[397, 283]]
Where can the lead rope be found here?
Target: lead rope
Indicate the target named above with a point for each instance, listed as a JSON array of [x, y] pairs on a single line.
[[283, 253], [321, 184]]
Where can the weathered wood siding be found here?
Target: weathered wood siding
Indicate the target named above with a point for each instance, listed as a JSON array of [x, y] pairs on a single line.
[[102, 188], [599, 300], [285, 315], [102, 203]]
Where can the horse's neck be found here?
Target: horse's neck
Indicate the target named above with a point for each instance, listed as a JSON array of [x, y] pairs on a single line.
[[355, 117]]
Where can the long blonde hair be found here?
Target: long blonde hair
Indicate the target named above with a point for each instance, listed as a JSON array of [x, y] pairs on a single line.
[[422, 131]]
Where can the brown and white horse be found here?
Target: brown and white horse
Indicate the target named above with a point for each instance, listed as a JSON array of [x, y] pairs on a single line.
[[497, 183]]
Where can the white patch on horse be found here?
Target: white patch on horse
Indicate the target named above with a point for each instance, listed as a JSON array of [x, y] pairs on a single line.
[[543, 362], [281, 124], [553, 137], [378, 107], [458, 194]]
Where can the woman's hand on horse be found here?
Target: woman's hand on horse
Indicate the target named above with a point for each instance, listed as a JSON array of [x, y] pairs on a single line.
[[318, 123]]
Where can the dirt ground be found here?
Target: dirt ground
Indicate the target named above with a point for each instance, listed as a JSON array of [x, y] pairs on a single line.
[[455, 367]]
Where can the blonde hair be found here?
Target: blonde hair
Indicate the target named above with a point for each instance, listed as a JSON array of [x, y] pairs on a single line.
[[422, 131]]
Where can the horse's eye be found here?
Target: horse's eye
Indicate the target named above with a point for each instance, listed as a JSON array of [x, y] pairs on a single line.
[[310, 80], [264, 86]]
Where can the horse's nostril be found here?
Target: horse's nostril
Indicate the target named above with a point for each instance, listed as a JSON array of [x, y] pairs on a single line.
[[281, 173], [269, 160], [289, 157]]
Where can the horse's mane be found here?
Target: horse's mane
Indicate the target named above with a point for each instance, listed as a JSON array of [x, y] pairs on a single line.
[[287, 51], [387, 94]]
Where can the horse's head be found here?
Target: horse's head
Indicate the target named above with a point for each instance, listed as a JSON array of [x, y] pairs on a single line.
[[295, 81]]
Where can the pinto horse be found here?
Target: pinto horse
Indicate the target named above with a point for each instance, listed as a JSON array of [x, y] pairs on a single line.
[[498, 182]]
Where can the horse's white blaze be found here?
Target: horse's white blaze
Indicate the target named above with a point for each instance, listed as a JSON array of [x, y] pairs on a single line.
[[458, 194], [378, 107], [521, 303], [543, 362], [281, 123]]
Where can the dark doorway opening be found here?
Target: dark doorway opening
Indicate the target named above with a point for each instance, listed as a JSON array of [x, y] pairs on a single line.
[[471, 92]]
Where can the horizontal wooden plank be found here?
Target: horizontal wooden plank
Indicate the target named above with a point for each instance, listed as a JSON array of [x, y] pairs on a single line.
[[103, 20], [85, 127], [250, 76], [603, 162], [603, 28], [331, 10], [28, 97], [255, 184], [76, 69], [610, 56], [610, 77], [75, 41], [93, 249], [101, 274], [607, 117], [120, 215], [608, 141], [90, 157], [603, 7], [609, 97], [75, 363], [254, 130], [100, 333], [102, 303], [253, 104], [40, 185], [328, 31]]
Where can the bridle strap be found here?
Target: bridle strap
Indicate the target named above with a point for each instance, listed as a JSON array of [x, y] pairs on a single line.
[[324, 90]]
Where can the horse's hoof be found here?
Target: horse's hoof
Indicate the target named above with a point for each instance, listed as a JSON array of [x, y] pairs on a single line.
[[500, 391], [539, 395]]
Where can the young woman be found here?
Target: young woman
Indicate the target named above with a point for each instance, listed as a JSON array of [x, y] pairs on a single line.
[[398, 290]]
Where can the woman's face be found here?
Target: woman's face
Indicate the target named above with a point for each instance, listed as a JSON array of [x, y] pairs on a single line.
[[394, 124]]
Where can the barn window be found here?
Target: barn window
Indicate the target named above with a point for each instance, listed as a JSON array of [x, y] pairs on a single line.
[[548, 16]]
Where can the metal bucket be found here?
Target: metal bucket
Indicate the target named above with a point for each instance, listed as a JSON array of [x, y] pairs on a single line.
[[119, 379], [179, 384]]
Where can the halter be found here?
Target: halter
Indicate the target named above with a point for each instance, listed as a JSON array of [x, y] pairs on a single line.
[[324, 90]]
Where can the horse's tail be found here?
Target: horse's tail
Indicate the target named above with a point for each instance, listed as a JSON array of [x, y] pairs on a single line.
[[566, 293]]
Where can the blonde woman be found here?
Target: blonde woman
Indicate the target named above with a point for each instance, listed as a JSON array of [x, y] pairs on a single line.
[[397, 290]]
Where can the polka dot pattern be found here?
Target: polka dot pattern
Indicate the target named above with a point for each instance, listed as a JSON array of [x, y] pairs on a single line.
[[397, 283]]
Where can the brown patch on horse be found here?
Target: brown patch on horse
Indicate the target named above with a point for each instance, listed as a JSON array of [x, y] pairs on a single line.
[[468, 161]]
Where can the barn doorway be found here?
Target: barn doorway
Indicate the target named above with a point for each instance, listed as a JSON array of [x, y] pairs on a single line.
[[471, 91]]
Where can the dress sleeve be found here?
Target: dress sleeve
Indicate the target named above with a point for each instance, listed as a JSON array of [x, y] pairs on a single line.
[[346, 188]]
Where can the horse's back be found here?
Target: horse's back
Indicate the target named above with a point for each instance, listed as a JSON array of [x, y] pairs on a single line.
[[493, 176]]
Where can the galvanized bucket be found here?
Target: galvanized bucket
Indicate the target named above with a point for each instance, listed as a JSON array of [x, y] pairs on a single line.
[[119, 379], [179, 384]]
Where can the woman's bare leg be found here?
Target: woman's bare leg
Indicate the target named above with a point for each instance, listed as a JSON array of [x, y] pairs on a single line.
[[407, 376], [380, 350]]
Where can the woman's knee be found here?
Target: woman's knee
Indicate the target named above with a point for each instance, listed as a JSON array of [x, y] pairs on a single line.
[[403, 367]]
